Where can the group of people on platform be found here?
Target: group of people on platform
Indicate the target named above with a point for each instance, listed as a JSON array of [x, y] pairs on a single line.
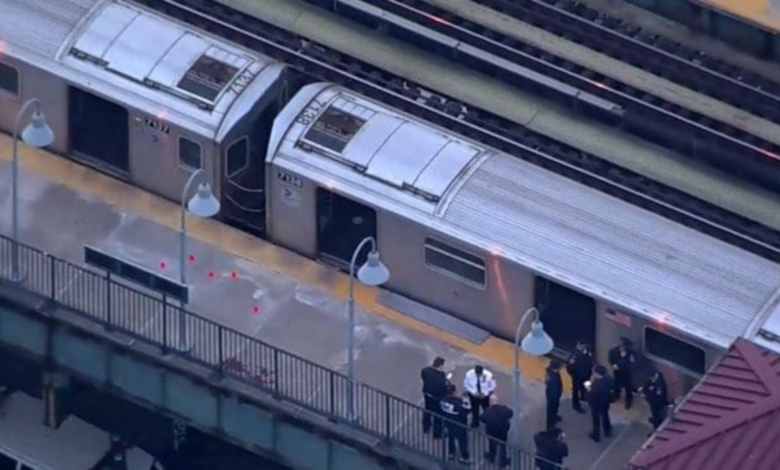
[[478, 402], [591, 384]]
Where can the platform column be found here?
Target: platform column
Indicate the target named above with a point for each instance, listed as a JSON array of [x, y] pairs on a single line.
[[56, 387]]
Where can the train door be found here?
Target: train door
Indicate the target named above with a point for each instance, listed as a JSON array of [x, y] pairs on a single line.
[[243, 179], [568, 316], [99, 132], [341, 225]]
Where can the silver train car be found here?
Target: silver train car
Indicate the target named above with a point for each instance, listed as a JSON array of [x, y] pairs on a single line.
[[142, 96], [484, 236], [464, 228]]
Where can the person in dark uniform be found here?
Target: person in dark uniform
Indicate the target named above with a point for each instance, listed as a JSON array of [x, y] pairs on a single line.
[[456, 419], [622, 360], [551, 449], [600, 397], [657, 396], [580, 368], [498, 420], [553, 389], [434, 389]]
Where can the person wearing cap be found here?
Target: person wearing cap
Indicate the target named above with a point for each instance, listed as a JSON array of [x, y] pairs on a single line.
[[657, 396], [498, 420], [551, 449], [434, 389], [580, 368], [479, 384], [553, 389], [600, 398], [622, 360], [456, 418]]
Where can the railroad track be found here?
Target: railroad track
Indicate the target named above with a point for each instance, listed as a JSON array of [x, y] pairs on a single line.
[[656, 54], [325, 64], [645, 115]]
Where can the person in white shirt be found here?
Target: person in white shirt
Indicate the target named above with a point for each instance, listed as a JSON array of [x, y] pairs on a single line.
[[479, 385]]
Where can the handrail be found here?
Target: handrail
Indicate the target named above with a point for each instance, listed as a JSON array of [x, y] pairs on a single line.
[[149, 319]]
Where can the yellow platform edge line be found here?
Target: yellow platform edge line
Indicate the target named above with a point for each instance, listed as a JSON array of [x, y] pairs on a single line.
[[127, 198]]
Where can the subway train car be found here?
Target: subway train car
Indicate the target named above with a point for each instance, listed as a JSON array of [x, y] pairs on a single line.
[[484, 236], [142, 96]]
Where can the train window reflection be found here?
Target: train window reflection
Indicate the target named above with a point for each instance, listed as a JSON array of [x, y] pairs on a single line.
[[674, 350], [189, 154], [9, 79], [237, 157], [454, 262]]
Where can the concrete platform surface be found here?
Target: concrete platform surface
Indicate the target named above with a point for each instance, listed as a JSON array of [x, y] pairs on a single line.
[[303, 317]]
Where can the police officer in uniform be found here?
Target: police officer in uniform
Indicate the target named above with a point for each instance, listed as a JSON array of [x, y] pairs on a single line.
[[657, 396], [622, 360], [456, 416], [551, 449], [434, 389], [498, 420], [479, 384], [580, 368], [553, 390], [600, 397]]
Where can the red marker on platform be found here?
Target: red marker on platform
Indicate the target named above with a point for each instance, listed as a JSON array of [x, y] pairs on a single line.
[[191, 258], [233, 275], [255, 310], [212, 275], [163, 265]]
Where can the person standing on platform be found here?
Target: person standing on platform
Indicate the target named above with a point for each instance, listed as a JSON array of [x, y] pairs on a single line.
[[456, 417], [580, 368], [553, 389], [601, 396], [498, 420], [622, 360], [657, 396], [434, 389], [479, 384], [551, 449]]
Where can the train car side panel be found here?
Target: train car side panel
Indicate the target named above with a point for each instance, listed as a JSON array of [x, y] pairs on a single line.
[[293, 208], [31, 82]]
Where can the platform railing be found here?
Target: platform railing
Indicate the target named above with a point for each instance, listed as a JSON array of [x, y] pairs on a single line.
[[122, 308]]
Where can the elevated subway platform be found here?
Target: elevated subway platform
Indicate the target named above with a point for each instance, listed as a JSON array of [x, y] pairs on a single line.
[[268, 293]]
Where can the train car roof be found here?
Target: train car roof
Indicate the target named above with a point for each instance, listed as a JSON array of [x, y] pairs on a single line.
[[139, 58], [561, 229]]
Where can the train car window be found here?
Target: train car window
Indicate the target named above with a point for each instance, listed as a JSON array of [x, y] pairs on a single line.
[[334, 129], [7, 463], [237, 157], [189, 154], [675, 350], [9, 79], [454, 262]]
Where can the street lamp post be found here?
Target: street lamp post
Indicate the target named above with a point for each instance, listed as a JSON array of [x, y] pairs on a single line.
[[535, 343], [36, 134], [203, 204], [372, 273]]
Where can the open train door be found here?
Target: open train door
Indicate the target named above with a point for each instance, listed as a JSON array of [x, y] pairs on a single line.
[[341, 225], [99, 132], [568, 316]]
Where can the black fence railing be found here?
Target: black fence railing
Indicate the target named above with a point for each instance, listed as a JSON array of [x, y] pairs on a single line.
[[150, 319]]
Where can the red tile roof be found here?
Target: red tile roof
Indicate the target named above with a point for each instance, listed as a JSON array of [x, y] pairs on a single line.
[[729, 421]]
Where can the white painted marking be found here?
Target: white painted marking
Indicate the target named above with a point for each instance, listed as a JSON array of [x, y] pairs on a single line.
[[603, 455]]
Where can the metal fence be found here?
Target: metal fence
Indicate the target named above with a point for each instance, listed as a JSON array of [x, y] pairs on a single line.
[[150, 319]]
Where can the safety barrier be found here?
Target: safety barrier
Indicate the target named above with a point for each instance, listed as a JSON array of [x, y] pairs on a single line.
[[149, 318]]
